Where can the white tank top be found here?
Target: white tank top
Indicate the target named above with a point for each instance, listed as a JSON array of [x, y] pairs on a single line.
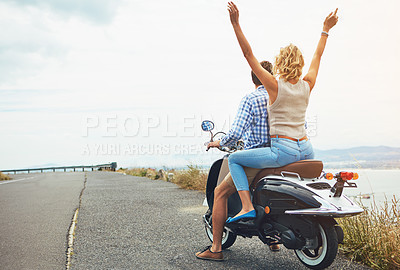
[[287, 114]]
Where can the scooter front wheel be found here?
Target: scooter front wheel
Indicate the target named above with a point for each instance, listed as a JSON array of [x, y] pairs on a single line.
[[325, 254], [228, 238]]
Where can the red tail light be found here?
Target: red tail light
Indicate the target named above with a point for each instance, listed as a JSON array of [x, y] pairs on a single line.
[[346, 175]]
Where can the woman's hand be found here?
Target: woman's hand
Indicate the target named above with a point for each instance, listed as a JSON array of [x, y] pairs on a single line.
[[233, 13], [330, 21], [311, 76], [213, 144]]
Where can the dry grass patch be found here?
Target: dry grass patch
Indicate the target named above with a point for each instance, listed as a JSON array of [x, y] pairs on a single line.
[[4, 176], [373, 237], [191, 178], [143, 172]]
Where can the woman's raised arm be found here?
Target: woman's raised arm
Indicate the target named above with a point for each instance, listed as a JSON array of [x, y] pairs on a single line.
[[269, 81], [311, 76]]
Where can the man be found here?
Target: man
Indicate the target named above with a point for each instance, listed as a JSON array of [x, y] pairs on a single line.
[[251, 125]]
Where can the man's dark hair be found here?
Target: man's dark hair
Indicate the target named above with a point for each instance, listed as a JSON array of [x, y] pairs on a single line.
[[267, 66]]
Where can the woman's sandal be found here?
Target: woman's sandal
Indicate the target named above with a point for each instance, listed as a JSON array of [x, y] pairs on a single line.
[[247, 216], [207, 254]]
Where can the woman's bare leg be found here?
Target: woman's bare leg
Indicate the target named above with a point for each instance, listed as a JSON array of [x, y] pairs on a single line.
[[247, 205]]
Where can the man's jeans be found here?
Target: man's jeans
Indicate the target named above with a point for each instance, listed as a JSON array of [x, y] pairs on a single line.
[[281, 153]]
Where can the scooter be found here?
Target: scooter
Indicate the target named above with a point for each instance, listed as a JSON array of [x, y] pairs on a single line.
[[296, 206]]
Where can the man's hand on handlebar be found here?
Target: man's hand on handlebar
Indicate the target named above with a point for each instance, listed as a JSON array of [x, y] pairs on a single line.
[[213, 144]]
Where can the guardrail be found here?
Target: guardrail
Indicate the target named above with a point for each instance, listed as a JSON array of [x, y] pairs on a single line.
[[110, 166]]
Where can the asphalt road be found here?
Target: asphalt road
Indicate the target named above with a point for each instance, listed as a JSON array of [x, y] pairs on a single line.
[[35, 213], [124, 222]]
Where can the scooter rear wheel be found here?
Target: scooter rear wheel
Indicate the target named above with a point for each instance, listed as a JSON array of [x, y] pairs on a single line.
[[228, 238], [325, 254]]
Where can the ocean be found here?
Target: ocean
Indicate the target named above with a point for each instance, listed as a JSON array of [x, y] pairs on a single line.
[[378, 185]]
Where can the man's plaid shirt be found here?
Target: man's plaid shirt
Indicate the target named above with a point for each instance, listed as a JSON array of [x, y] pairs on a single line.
[[251, 122]]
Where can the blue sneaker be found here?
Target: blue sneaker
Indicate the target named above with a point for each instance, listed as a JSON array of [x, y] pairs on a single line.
[[248, 215]]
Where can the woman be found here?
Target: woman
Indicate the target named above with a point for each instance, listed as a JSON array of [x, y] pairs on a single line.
[[287, 106]]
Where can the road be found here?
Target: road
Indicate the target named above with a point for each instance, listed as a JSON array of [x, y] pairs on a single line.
[[124, 222], [36, 211]]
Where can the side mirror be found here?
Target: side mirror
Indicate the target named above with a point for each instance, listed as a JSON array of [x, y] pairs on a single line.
[[207, 125]]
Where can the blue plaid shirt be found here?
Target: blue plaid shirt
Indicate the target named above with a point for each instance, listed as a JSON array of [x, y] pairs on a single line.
[[251, 122]]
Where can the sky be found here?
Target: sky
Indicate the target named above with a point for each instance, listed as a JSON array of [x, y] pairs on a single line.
[[94, 81]]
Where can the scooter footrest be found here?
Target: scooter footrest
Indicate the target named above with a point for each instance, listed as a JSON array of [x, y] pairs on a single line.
[[241, 224]]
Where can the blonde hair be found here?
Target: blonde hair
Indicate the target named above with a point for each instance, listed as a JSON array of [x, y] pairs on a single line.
[[289, 63]]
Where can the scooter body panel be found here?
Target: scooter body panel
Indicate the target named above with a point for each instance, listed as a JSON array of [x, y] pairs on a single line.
[[280, 195], [212, 181]]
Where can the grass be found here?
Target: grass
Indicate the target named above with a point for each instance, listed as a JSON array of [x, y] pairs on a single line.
[[373, 238], [4, 176], [191, 178], [142, 172]]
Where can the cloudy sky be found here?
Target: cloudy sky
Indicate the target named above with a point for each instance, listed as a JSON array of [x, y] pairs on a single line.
[[86, 82]]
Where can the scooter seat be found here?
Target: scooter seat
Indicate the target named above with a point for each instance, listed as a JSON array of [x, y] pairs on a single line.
[[309, 168]]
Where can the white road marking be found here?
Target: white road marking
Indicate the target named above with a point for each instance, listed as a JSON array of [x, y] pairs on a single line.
[[17, 180], [71, 236]]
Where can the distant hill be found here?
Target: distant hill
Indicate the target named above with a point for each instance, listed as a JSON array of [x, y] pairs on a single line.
[[365, 156]]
